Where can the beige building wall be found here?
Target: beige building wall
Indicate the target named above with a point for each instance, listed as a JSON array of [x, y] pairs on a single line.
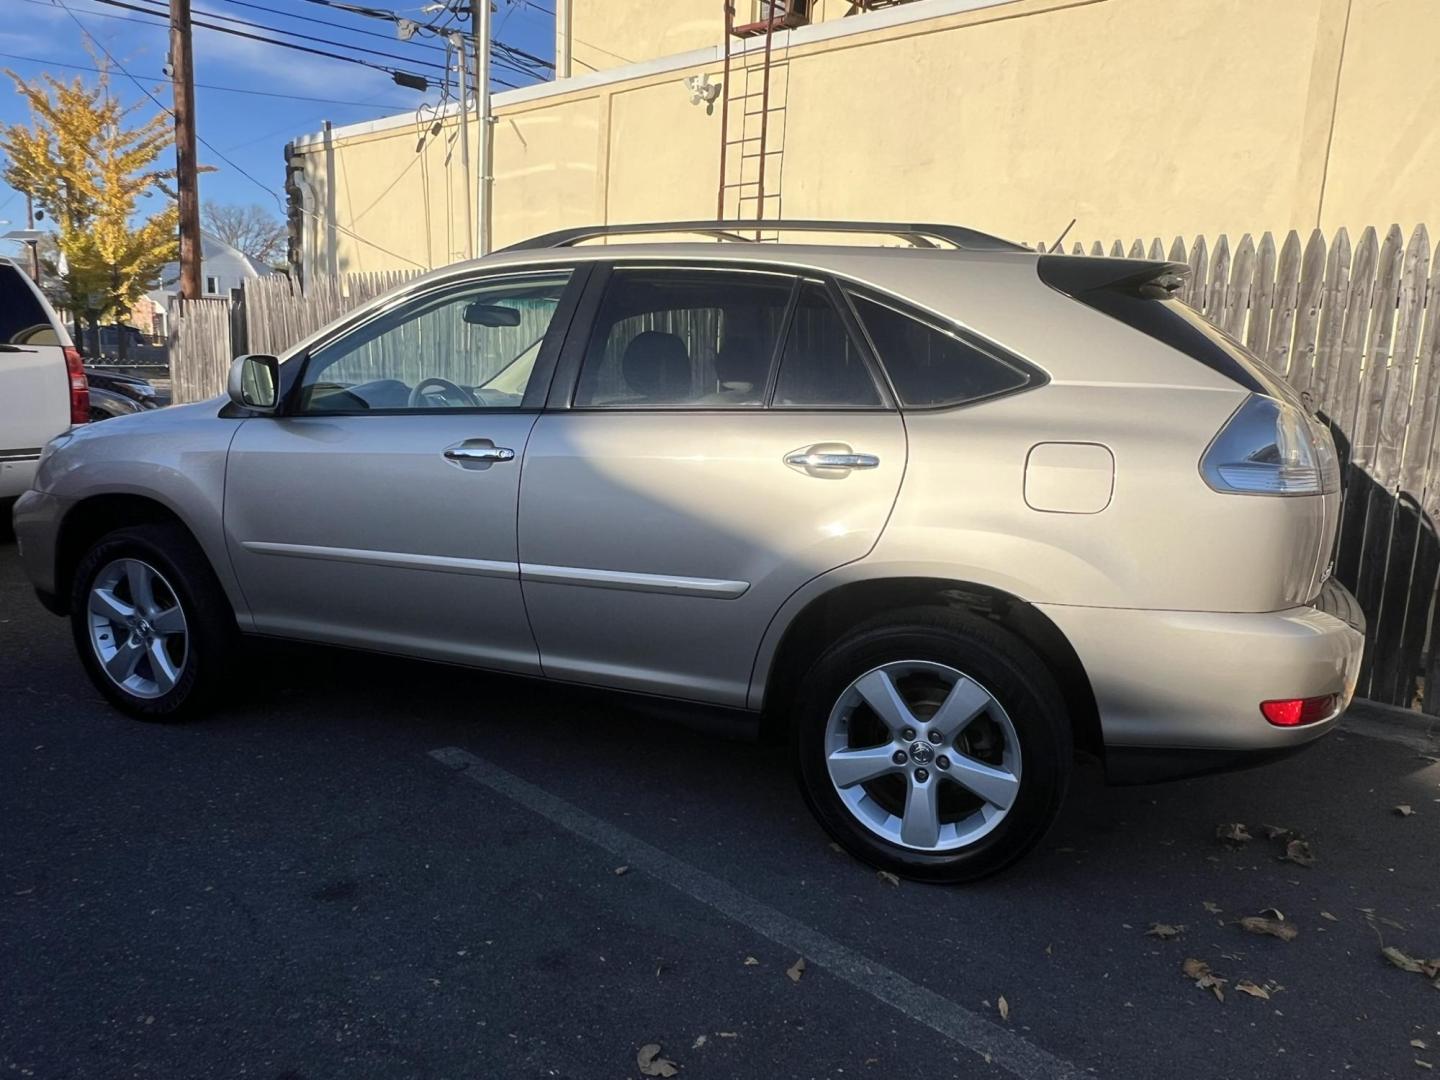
[[1137, 117]]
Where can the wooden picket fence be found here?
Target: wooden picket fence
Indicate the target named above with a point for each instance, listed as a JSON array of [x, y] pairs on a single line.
[[1353, 326], [278, 313], [198, 345]]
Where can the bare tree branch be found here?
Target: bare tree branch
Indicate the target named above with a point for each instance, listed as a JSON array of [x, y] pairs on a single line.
[[252, 229]]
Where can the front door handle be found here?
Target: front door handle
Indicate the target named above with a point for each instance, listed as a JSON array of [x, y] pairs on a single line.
[[481, 453]]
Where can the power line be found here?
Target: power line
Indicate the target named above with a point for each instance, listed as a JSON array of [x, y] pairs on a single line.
[[258, 183], [301, 48], [275, 29], [324, 22], [202, 86], [438, 28]]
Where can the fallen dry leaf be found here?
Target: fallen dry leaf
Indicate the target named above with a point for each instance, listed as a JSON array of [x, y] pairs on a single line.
[[1277, 832], [1212, 907], [1199, 971], [621, 870], [1004, 1008], [1404, 810], [1372, 917], [1429, 968], [796, 969], [1273, 913], [699, 1042], [1245, 986], [887, 876], [1298, 851], [1255, 924], [1327, 915], [1423, 1064], [1419, 1044], [1235, 833], [750, 961], [1164, 931], [836, 847], [652, 1064]]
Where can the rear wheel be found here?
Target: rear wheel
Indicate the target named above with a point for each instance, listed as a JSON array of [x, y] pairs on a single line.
[[152, 625], [933, 744]]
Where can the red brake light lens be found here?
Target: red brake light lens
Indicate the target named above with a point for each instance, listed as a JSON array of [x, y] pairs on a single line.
[[79, 386], [1295, 712]]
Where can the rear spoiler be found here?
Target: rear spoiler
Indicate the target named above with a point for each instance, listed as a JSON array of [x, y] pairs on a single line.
[[1075, 275]]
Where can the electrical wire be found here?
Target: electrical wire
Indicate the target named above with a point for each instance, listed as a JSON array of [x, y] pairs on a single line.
[[258, 183], [199, 86], [291, 33], [327, 22]]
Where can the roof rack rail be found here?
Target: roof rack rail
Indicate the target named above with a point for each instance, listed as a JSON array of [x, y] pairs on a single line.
[[917, 234]]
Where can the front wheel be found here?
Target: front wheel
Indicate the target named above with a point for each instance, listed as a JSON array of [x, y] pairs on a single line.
[[151, 623], [933, 744]]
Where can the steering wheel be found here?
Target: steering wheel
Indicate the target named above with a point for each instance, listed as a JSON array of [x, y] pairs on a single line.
[[456, 397]]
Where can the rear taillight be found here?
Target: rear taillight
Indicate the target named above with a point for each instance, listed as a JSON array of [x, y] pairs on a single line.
[[1270, 447], [1294, 712], [79, 386]]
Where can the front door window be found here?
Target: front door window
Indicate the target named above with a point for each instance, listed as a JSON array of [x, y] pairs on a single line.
[[472, 346]]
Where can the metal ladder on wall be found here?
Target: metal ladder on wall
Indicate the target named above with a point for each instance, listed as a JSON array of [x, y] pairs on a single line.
[[753, 112]]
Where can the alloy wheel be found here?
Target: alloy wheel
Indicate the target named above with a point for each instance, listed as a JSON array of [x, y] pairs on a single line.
[[137, 628], [922, 755]]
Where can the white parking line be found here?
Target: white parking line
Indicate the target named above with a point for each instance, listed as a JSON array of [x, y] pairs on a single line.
[[984, 1037]]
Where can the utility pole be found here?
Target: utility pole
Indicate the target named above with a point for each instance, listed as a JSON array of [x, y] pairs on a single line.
[[458, 40], [182, 79], [480, 30], [34, 244], [563, 42]]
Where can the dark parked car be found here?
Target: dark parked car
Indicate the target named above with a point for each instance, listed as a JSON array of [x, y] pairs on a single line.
[[115, 394]]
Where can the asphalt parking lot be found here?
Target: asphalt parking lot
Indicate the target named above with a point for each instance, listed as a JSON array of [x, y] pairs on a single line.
[[367, 867]]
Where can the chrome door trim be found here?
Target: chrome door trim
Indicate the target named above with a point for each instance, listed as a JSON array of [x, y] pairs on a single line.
[[405, 560], [713, 588]]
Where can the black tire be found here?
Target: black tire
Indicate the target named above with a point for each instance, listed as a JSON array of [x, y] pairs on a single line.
[[210, 622], [1015, 677]]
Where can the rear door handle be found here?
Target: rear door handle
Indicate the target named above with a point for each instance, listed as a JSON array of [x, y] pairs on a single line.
[[814, 460], [830, 459]]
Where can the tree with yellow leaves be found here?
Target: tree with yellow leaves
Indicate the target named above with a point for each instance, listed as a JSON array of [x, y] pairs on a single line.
[[87, 169]]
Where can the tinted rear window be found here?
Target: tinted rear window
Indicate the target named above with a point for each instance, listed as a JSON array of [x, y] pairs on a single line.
[[23, 320], [931, 366]]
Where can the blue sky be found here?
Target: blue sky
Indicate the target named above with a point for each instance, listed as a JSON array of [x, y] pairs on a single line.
[[248, 128]]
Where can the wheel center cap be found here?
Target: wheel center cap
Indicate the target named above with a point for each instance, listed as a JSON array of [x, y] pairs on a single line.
[[922, 752]]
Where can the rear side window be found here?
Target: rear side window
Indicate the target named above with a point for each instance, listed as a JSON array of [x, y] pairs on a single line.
[[931, 366], [23, 320], [821, 365], [684, 339]]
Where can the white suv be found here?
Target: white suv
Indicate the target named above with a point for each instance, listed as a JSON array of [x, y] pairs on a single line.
[[42, 383]]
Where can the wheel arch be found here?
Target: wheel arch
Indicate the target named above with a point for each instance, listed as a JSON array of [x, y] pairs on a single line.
[[94, 516], [824, 618]]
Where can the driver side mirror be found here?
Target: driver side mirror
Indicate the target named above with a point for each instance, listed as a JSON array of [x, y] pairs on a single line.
[[255, 382]]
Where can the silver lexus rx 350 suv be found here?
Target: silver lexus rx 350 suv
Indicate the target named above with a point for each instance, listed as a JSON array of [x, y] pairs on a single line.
[[942, 514]]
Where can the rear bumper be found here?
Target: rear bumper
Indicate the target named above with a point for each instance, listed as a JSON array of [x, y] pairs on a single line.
[[1179, 692]]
